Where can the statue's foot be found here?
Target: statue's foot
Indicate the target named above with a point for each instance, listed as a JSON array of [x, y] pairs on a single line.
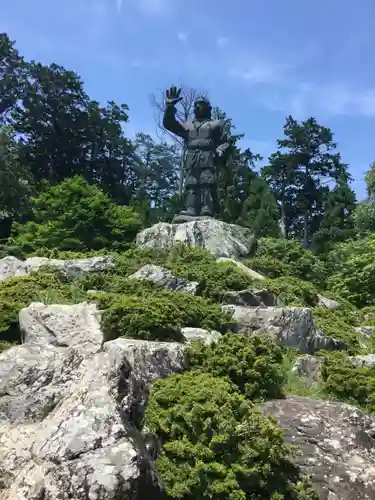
[[190, 212], [206, 211]]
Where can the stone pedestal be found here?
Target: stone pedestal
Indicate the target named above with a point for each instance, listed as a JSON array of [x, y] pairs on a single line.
[[218, 237]]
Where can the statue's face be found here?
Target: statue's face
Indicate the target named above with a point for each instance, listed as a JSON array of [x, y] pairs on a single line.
[[202, 110]]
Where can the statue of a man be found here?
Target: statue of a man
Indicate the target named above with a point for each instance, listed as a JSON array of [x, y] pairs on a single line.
[[206, 140]]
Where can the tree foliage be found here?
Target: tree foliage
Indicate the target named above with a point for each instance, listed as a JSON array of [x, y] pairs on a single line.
[[75, 215]]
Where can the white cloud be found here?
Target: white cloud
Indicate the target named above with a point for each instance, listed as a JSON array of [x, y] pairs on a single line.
[[256, 70], [309, 99], [279, 88]]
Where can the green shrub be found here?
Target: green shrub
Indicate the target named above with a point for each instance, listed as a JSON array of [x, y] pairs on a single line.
[[352, 267], [301, 263], [75, 216], [293, 291], [18, 292], [337, 324], [368, 316], [159, 315], [349, 383], [114, 279], [253, 364], [197, 264], [269, 267], [215, 444]]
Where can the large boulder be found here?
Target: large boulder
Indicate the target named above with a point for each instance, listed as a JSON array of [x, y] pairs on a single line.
[[336, 445], [11, 266], [163, 278], [218, 237], [70, 409], [292, 327], [62, 325]]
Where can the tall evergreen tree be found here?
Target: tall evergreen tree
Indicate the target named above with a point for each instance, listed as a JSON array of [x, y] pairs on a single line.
[[301, 170], [12, 77], [337, 224]]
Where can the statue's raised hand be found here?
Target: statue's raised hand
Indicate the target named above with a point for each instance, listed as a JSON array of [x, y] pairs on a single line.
[[173, 96]]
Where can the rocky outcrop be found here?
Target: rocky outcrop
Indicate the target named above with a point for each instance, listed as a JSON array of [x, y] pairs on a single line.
[[249, 272], [11, 266], [62, 325], [218, 237], [327, 303], [205, 336], [253, 298], [365, 331], [309, 368], [163, 278], [336, 445], [70, 409], [292, 327], [366, 361]]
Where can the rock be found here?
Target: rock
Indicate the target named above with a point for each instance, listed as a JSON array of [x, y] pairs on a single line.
[[328, 303], [218, 237], [251, 298], [367, 361], [366, 331], [10, 266], [292, 327], [245, 269], [62, 325], [163, 278], [79, 413], [336, 445], [309, 368], [206, 336]]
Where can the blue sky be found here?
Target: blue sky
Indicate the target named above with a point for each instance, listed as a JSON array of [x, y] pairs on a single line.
[[259, 60]]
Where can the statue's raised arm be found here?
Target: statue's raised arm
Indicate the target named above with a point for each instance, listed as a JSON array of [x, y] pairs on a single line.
[[172, 97]]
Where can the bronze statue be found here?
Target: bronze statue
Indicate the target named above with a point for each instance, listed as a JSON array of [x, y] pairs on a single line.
[[206, 141]]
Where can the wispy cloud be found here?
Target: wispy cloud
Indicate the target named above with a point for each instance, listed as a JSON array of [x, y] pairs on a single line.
[[327, 100], [260, 71], [280, 88]]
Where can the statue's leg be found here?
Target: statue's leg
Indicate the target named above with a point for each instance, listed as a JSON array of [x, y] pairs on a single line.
[[191, 196], [207, 192]]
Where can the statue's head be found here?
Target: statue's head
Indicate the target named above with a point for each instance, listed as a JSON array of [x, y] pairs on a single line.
[[202, 108]]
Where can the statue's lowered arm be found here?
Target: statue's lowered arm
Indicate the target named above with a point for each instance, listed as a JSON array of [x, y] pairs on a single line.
[[225, 139]]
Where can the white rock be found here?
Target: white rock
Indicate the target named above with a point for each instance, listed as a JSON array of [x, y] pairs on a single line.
[[328, 303], [245, 269], [62, 325], [206, 336], [335, 442], [366, 361], [10, 266], [87, 440], [292, 327], [163, 278], [219, 238]]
